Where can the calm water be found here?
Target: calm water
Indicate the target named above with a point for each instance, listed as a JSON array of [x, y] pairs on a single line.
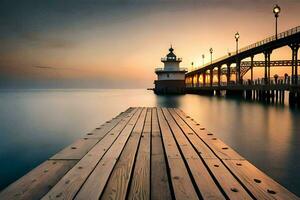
[[35, 124]]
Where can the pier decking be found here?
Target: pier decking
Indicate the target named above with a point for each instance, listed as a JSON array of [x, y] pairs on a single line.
[[147, 153]]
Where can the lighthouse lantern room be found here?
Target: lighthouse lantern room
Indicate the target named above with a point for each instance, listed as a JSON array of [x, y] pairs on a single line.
[[170, 78]]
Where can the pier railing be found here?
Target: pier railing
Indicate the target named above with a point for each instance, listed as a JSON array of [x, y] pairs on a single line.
[[256, 44], [272, 38]]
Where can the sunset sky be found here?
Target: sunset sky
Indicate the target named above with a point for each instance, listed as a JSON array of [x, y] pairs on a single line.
[[118, 43]]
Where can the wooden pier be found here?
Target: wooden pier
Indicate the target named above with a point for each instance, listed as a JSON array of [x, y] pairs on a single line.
[[147, 153]]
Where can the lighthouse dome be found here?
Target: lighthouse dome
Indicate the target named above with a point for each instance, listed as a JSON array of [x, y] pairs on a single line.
[[171, 56]]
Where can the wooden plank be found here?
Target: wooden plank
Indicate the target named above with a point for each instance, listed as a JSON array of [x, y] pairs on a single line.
[[160, 187], [76, 150], [118, 182], [81, 146], [201, 131], [181, 182], [140, 183], [70, 184], [101, 131], [204, 181], [202, 148], [232, 188], [234, 161], [96, 182], [258, 183], [222, 150], [38, 181]]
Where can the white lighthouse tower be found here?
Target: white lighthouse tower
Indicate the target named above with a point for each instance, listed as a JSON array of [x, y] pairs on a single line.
[[170, 78]]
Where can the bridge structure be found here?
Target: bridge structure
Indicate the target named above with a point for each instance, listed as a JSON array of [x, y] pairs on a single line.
[[208, 79]]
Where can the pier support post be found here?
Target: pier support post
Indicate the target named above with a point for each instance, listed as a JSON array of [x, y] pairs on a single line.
[[272, 96], [248, 94], [292, 98], [238, 71], [295, 48], [219, 76], [228, 73], [267, 66], [252, 57], [298, 99], [211, 77]]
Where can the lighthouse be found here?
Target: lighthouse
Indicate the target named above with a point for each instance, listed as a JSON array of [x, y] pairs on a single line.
[[170, 78]]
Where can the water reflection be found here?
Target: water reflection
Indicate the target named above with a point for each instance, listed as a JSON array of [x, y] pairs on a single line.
[[36, 124]]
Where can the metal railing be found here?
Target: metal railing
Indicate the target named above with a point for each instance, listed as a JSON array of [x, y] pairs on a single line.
[[257, 44], [168, 59], [161, 69]]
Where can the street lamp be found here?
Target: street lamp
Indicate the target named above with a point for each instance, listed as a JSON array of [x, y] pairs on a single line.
[[203, 56], [211, 51], [237, 36], [276, 11]]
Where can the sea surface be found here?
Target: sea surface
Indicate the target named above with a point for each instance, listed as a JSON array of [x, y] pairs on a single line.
[[35, 124]]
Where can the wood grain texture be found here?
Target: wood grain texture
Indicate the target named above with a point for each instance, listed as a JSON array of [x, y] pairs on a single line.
[[259, 184], [70, 184], [160, 187], [102, 130], [76, 150], [38, 181], [147, 153], [181, 182], [118, 183], [94, 185], [202, 148], [195, 126], [203, 179], [227, 181], [140, 182], [222, 150]]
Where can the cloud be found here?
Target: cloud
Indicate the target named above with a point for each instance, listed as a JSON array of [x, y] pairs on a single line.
[[47, 41], [54, 68]]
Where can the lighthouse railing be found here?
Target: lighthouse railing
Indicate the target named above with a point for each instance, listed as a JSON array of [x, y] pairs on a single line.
[[169, 59], [161, 69]]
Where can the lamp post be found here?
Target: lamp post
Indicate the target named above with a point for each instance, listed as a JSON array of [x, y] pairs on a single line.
[[211, 51], [203, 56], [237, 36], [276, 11]]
